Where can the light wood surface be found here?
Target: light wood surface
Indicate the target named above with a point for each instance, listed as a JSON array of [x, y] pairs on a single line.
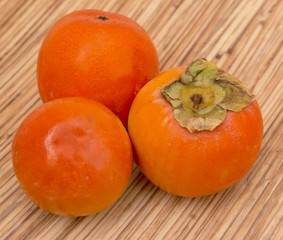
[[244, 37]]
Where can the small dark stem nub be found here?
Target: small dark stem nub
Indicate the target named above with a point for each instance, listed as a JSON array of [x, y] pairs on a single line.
[[197, 100], [103, 18]]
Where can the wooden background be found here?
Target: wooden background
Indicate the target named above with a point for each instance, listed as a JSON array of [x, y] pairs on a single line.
[[243, 37]]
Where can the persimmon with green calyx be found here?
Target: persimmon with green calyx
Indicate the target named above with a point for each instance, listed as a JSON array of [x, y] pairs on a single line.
[[72, 157], [195, 130], [99, 55]]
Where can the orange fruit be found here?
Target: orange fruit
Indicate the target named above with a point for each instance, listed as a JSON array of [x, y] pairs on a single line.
[[98, 55], [174, 144], [72, 157]]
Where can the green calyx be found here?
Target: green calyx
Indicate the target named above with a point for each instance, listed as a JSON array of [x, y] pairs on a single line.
[[203, 94]]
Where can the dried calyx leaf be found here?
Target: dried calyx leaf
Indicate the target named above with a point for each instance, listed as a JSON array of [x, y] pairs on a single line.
[[203, 94]]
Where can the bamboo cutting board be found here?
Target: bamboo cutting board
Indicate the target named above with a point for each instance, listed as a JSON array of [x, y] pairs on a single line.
[[244, 37]]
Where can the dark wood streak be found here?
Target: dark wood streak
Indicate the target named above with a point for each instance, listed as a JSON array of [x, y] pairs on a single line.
[[164, 198], [277, 191], [259, 184], [18, 188], [275, 52], [207, 201], [7, 211], [243, 33], [125, 234], [154, 23], [23, 41], [156, 222], [7, 153], [185, 36], [271, 125], [11, 176], [121, 6], [16, 94], [10, 236], [37, 222], [13, 13], [11, 101], [45, 220], [70, 227], [24, 113], [24, 209], [202, 35]]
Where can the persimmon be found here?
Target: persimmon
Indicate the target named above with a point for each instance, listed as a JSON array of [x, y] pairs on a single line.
[[196, 130], [98, 55], [72, 157]]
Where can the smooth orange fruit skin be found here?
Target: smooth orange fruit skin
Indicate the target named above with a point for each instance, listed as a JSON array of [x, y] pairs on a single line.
[[191, 164], [72, 157], [105, 60]]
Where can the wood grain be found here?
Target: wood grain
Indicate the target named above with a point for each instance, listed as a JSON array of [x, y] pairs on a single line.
[[244, 37]]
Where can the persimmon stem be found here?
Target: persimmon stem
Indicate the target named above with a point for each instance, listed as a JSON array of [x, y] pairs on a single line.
[[197, 100], [103, 18], [204, 93]]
